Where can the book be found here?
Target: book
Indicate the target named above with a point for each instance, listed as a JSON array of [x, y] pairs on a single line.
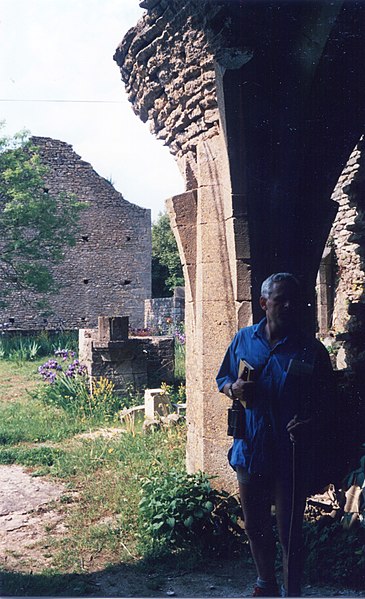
[[245, 371]]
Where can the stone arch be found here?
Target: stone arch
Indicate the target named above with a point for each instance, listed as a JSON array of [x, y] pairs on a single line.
[[249, 97]]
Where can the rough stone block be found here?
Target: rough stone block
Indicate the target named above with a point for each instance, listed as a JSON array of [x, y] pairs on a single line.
[[213, 163], [242, 238], [214, 203], [86, 337], [243, 275], [112, 328], [156, 402], [244, 314]]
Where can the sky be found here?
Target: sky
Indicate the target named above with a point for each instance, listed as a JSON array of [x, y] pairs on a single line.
[[58, 79]]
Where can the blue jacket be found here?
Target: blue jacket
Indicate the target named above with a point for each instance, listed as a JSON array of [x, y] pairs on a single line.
[[294, 377]]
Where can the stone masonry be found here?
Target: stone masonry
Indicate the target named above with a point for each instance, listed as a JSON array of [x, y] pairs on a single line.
[[172, 80], [184, 68], [165, 314], [131, 364], [109, 270], [348, 242]]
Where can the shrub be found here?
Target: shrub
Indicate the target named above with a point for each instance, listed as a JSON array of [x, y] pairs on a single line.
[[334, 555], [178, 510]]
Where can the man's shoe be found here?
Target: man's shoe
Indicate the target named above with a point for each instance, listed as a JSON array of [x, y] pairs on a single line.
[[272, 591]]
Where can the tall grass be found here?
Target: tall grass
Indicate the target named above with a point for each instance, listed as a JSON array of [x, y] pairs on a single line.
[[21, 347]]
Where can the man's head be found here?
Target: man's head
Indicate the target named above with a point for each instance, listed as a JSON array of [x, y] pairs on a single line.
[[280, 294]]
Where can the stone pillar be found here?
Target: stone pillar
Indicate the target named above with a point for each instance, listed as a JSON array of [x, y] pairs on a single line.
[[325, 292], [215, 262]]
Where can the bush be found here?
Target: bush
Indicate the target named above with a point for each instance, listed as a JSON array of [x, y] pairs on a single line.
[[334, 555], [180, 510]]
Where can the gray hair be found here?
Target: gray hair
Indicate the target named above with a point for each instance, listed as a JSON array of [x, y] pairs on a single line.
[[267, 285]]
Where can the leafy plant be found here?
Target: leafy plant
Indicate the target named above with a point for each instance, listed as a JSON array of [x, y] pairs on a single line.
[[70, 389], [179, 510], [334, 555], [166, 265], [23, 348], [103, 399]]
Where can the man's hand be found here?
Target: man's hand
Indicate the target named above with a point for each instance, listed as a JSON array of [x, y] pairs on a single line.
[[296, 428], [244, 391]]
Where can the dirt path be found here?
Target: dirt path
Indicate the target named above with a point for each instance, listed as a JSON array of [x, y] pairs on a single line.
[[29, 507]]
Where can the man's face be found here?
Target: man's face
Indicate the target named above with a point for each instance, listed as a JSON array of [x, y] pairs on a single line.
[[281, 306]]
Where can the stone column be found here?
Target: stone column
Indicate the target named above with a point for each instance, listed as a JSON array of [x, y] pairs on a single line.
[[217, 296]]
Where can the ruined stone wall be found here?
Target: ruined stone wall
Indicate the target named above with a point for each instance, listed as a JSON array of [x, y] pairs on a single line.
[[165, 314], [130, 363], [169, 72], [173, 65], [108, 272], [348, 241]]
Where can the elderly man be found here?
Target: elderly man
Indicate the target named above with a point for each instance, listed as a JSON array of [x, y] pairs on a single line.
[[283, 380]]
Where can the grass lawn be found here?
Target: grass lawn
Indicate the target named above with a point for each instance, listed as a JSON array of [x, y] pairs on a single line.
[[18, 378], [103, 475]]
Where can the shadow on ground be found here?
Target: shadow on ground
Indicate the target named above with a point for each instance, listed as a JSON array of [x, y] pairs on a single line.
[[170, 578]]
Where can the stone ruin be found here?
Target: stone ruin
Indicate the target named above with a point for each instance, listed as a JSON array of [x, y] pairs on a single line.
[[130, 363], [246, 97], [109, 269]]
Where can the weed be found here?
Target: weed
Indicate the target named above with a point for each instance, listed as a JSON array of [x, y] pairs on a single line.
[[335, 555], [179, 510]]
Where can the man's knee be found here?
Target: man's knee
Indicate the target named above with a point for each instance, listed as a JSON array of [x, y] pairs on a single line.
[[258, 533]]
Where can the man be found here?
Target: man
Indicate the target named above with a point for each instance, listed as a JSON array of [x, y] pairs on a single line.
[[286, 400]]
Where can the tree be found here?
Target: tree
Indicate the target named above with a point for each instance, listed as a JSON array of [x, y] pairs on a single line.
[[35, 226], [166, 266]]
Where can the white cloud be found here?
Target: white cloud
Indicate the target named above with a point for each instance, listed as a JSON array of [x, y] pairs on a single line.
[[63, 50]]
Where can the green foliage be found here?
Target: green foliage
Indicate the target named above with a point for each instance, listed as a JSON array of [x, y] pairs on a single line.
[[334, 555], [71, 394], [166, 266], [35, 226], [23, 348], [30, 456], [179, 510], [19, 349], [70, 390]]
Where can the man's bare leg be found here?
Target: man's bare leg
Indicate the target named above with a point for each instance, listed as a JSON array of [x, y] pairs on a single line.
[[256, 507], [290, 522]]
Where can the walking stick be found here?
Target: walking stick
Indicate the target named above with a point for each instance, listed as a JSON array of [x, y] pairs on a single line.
[[292, 516]]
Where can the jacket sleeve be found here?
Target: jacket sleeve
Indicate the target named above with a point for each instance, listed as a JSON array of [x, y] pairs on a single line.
[[228, 371]]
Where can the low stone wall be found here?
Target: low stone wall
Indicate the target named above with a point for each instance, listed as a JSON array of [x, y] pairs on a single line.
[[132, 364], [165, 313]]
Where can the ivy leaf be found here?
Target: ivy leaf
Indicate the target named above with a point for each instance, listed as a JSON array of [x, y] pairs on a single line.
[[188, 522]]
